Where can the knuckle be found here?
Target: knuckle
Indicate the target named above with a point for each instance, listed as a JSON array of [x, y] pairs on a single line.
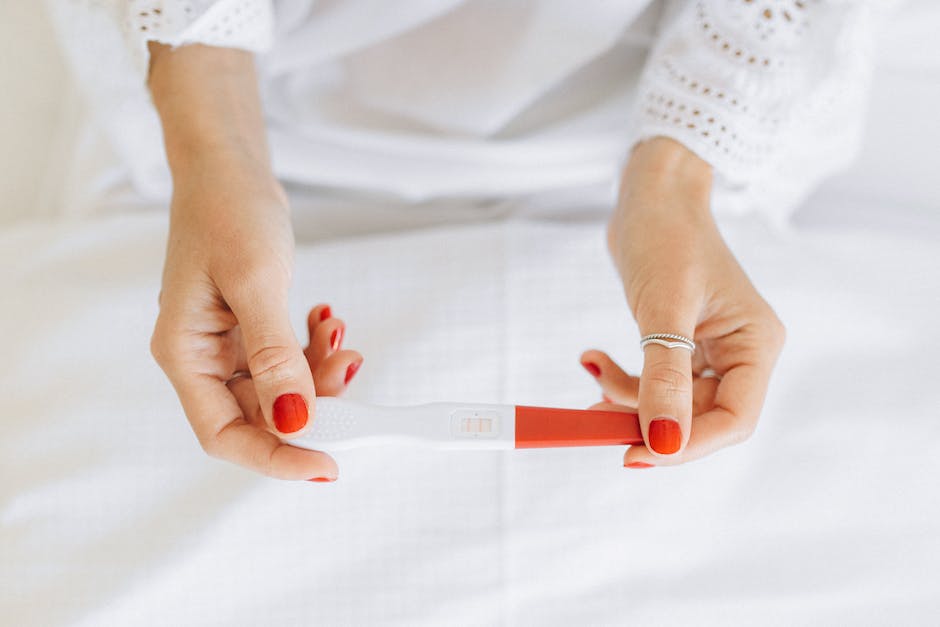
[[271, 362], [156, 347], [774, 328], [779, 332], [212, 445], [738, 427], [744, 430], [670, 376], [776, 335], [670, 382], [160, 345]]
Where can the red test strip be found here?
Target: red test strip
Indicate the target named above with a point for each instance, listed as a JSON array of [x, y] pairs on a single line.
[[549, 427]]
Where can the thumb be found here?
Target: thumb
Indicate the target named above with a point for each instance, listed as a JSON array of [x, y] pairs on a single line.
[[279, 369], [665, 394]]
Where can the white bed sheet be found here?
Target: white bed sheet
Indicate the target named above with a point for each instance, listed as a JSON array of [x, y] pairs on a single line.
[[110, 514]]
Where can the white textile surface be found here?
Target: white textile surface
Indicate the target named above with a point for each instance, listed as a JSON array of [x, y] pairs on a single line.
[[110, 514]]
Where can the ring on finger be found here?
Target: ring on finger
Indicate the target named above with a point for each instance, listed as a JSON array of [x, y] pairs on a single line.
[[238, 374], [708, 373], [663, 339]]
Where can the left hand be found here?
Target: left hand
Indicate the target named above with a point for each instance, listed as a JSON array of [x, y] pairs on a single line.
[[680, 277]]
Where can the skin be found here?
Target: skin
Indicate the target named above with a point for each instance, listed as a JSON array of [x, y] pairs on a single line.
[[223, 303], [680, 277]]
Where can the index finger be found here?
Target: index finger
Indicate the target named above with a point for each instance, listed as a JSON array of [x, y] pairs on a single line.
[[225, 433]]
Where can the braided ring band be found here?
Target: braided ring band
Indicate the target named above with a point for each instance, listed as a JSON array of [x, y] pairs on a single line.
[[662, 339]]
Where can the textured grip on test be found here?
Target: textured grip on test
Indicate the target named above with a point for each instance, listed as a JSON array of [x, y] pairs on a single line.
[[332, 420]]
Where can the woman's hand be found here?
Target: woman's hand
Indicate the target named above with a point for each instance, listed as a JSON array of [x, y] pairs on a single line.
[[332, 368], [679, 277], [223, 310], [223, 306]]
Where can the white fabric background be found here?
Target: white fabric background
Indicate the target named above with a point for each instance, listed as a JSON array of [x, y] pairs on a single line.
[[110, 514]]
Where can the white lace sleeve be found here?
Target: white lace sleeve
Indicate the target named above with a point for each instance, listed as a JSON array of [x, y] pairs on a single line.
[[770, 92], [245, 24]]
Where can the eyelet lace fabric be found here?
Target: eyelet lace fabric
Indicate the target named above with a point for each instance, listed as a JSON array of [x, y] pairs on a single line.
[[770, 92], [245, 24]]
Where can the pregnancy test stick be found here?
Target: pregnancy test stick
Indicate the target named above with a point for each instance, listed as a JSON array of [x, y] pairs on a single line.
[[341, 424]]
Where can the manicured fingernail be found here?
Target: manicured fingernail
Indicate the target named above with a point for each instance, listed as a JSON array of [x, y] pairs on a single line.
[[336, 338], [638, 465], [593, 368], [325, 313], [290, 413], [351, 370], [665, 436], [322, 479]]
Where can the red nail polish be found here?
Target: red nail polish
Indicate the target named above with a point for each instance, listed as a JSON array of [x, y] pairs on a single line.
[[336, 338], [593, 368], [353, 367], [638, 465], [322, 479], [290, 413], [665, 436], [325, 313]]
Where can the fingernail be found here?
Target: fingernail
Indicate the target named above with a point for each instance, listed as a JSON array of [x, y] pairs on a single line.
[[351, 371], [290, 413], [638, 465], [322, 479], [665, 436], [593, 368], [325, 313], [336, 338]]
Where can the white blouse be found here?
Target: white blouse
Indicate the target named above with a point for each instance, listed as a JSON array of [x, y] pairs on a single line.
[[424, 99]]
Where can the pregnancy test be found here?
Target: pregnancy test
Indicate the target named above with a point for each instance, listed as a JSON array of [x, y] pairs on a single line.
[[340, 424]]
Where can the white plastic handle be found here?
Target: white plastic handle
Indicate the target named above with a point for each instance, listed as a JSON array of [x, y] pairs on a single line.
[[340, 424]]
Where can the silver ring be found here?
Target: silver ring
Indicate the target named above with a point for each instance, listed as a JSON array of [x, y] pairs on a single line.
[[663, 340], [708, 373], [237, 375]]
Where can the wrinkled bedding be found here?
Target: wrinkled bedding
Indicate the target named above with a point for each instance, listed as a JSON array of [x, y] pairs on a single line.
[[111, 514]]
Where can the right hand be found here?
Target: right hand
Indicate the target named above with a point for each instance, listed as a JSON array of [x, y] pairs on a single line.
[[223, 310]]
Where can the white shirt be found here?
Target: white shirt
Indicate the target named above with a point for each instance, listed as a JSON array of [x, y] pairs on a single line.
[[425, 99]]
